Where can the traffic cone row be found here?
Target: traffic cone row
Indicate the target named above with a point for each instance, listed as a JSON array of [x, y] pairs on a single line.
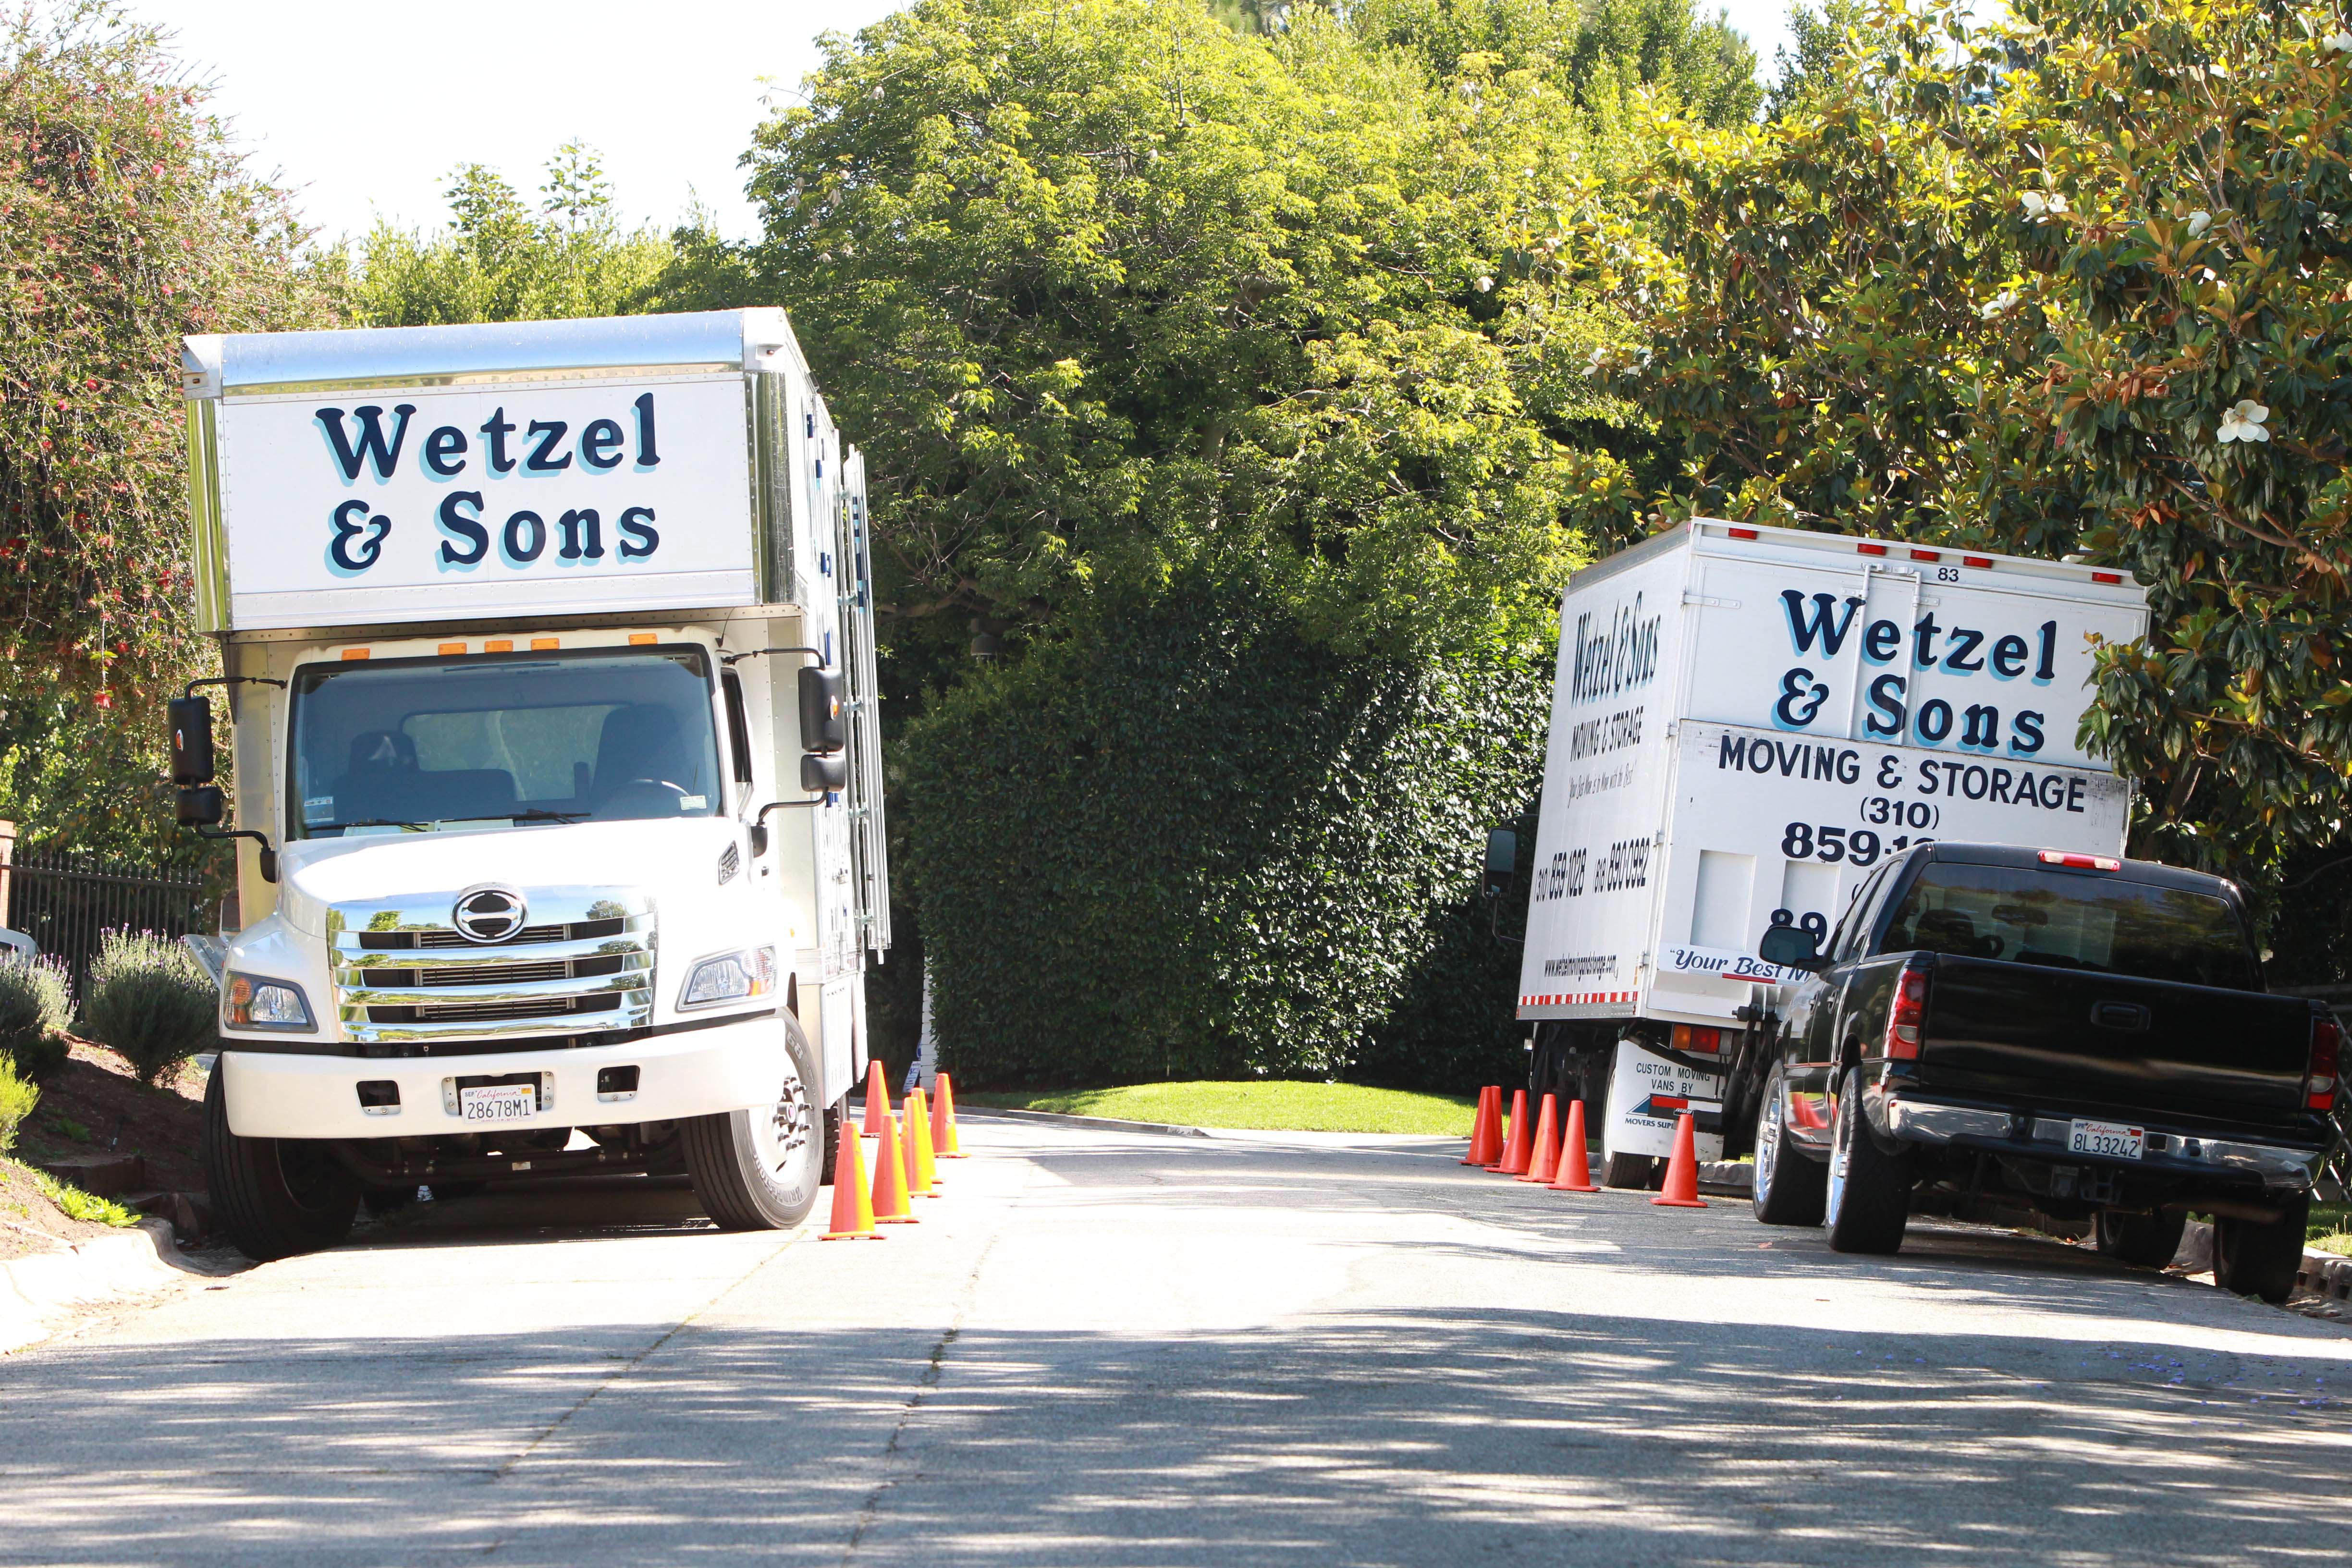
[[905, 1156], [1555, 1158]]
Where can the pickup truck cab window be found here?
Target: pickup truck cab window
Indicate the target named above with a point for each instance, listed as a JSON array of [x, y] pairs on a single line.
[[2104, 925], [1854, 926], [596, 735]]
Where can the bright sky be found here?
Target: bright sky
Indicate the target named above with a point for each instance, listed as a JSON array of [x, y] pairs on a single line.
[[365, 110]]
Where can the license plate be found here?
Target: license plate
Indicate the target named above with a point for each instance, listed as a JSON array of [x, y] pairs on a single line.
[[498, 1102], [2115, 1140]]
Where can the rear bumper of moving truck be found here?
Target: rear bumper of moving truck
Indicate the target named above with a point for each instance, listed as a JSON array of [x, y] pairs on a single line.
[[691, 1072]]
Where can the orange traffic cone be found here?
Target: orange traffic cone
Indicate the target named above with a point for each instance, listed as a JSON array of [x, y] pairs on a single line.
[[1486, 1128], [943, 1127], [1575, 1173], [1544, 1163], [877, 1100], [1681, 1171], [1802, 1111], [1516, 1151], [890, 1204], [853, 1210], [921, 1174]]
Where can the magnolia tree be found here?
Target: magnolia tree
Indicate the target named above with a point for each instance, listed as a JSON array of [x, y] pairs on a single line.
[[2071, 283]]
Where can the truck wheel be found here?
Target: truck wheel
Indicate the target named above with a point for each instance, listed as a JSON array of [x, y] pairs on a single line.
[[2254, 1259], [758, 1169], [1630, 1171], [2147, 1239], [275, 1196], [1869, 1195], [1790, 1188], [837, 1117]]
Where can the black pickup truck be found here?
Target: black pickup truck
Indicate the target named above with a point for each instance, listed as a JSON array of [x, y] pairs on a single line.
[[2086, 1036]]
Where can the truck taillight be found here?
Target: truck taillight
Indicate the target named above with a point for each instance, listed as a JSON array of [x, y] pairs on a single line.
[[1688, 1037], [2081, 862], [2327, 1050], [1908, 1013]]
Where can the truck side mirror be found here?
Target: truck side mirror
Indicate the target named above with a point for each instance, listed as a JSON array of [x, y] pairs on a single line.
[[823, 774], [1791, 947], [199, 805], [191, 744], [1502, 859], [822, 728]]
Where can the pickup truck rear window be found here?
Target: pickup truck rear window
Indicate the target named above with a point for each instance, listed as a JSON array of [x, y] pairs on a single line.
[[2104, 925]]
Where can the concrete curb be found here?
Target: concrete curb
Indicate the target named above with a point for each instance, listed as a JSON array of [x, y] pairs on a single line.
[[1106, 1123], [2326, 1273], [1733, 1178], [42, 1294]]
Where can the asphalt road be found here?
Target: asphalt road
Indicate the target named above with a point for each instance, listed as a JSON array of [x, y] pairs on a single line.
[[1122, 1349]]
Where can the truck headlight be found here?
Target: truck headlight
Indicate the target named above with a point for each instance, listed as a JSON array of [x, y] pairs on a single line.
[[249, 1002], [730, 977]]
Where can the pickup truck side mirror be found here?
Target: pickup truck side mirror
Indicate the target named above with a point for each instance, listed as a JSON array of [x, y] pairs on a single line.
[[1792, 947], [191, 745], [1502, 860]]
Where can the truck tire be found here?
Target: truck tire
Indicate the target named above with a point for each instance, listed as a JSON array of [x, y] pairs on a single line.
[[1630, 1171], [274, 1196], [2254, 1259], [760, 1169], [1869, 1198], [1791, 1189], [837, 1117], [2149, 1240]]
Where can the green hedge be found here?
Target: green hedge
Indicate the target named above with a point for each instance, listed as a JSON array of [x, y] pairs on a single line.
[[1194, 846]]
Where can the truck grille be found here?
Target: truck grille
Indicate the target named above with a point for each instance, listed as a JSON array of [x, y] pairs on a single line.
[[589, 970]]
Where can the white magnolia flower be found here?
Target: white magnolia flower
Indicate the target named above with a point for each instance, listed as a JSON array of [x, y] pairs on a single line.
[[2242, 421], [1596, 359], [2339, 41], [2034, 202], [1998, 304], [1485, 284], [2198, 222]]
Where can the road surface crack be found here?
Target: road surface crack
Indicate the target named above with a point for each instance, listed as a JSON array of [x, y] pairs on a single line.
[[870, 1512]]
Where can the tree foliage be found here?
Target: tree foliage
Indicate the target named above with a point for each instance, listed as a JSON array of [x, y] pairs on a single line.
[[126, 220], [2072, 283]]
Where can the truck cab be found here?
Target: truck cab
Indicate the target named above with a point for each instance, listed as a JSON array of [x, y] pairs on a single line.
[[547, 650]]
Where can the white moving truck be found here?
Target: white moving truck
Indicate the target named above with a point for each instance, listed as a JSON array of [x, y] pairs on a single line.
[[548, 648], [1745, 721]]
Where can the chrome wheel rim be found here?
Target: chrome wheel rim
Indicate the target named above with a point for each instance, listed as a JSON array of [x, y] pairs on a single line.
[[1840, 1152], [784, 1131], [1768, 1137]]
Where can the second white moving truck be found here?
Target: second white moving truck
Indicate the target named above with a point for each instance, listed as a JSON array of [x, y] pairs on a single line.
[[1746, 720], [549, 656]]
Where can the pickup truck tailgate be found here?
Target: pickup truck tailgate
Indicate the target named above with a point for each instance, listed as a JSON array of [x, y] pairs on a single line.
[[2089, 1039]]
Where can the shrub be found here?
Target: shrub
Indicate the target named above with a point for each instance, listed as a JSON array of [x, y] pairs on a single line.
[[1191, 845], [35, 1007], [151, 1000], [17, 1098]]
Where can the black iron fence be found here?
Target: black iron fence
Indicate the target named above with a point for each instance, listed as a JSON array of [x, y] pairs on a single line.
[[65, 902]]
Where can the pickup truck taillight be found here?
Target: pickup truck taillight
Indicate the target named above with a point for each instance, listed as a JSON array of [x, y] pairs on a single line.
[[1908, 1013], [2327, 1050]]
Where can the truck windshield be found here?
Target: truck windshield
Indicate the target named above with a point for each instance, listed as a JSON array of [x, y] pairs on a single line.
[[2104, 925], [561, 737]]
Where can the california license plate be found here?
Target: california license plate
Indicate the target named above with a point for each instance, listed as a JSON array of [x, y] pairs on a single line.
[[2116, 1140], [498, 1102]]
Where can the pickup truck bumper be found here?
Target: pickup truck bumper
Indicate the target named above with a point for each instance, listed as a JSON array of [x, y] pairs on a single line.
[[693, 1072], [2027, 1134]]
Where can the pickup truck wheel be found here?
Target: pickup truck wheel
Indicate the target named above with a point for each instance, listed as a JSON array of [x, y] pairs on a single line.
[[2149, 1240], [275, 1196], [2254, 1259], [1790, 1188], [758, 1169], [1869, 1190]]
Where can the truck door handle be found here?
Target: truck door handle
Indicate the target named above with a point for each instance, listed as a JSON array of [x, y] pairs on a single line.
[[2126, 1015]]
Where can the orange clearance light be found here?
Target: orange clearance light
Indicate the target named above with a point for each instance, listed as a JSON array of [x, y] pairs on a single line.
[[498, 645], [1870, 549], [355, 653], [1743, 533], [453, 647], [641, 639], [544, 643], [1979, 560]]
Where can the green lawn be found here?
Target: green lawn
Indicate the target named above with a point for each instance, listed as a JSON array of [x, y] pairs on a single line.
[[2330, 1229], [1273, 1107]]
